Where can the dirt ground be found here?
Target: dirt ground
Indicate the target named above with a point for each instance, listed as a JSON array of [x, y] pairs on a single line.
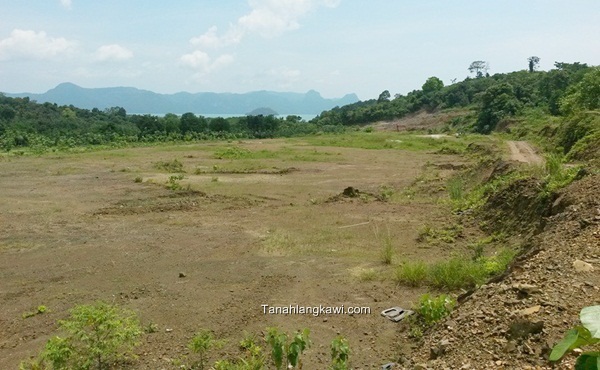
[[75, 228], [522, 151]]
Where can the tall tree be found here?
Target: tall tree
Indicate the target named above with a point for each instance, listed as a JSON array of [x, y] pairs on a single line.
[[479, 67], [384, 96], [432, 85], [534, 63]]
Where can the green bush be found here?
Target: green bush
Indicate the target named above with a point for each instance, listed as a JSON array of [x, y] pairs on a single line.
[[285, 353], [97, 336], [200, 345], [433, 309], [340, 354]]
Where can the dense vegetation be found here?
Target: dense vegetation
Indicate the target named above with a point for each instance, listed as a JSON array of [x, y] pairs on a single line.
[[26, 123]]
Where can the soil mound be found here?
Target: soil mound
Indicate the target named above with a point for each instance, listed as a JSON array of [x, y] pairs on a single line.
[[519, 208], [513, 323]]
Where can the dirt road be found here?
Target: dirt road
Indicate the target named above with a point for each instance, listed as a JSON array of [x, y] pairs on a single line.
[[522, 151]]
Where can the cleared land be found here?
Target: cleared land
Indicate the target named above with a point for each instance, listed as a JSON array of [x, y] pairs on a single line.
[[250, 223]]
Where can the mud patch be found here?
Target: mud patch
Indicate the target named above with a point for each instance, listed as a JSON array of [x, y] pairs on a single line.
[[351, 193], [184, 201]]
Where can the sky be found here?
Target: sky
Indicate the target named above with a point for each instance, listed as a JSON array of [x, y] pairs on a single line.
[[333, 46]]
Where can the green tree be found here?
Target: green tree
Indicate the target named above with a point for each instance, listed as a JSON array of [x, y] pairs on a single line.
[[189, 122], [534, 63], [479, 67], [171, 123], [583, 96], [432, 85], [384, 96], [219, 124], [497, 102]]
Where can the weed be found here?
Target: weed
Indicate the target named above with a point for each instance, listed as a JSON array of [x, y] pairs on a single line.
[[98, 336], [387, 252], [386, 193], [447, 234], [173, 182], [340, 354], [557, 175], [151, 328], [201, 344], [367, 275], [173, 166], [456, 273], [284, 353], [412, 273], [138, 179], [214, 179], [455, 186], [233, 152], [433, 309], [38, 311]]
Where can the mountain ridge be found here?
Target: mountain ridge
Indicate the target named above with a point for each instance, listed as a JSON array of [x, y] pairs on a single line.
[[141, 101]]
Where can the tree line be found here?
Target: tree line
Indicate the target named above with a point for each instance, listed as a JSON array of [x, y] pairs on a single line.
[[560, 91], [26, 123]]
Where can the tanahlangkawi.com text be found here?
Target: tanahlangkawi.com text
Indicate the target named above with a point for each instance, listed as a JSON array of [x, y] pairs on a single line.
[[314, 310]]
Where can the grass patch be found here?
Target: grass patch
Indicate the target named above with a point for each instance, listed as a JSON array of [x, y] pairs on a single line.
[[412, 273], [174, 166], [447, 234], [390, 140], [455, 273], [455, 187], [387, 250]]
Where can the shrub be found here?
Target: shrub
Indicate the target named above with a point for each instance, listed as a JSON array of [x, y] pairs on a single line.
[[340, 353], [433, 309], [97, 336], [286, 354], [201, 344]]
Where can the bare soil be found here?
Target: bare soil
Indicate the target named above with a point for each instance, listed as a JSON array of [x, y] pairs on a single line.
[[522, 151], [76, 228]]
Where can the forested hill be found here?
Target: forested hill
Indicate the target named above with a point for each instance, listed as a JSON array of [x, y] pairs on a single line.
[[143, 101], [558, 92]]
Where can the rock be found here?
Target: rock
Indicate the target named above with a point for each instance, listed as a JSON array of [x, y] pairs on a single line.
[[530, 310], [439, 349], [522, 329], [420, 367], [581, 266], [526, 290]]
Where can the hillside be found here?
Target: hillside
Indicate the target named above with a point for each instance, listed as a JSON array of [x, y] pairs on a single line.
[[143, 101]]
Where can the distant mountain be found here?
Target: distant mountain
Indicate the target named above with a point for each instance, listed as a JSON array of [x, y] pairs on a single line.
[[144, 101]]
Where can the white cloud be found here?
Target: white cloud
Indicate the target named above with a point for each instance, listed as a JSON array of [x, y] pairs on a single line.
[[112, 52], [202, 62], [66, 3], [268, 18], [28, 44]]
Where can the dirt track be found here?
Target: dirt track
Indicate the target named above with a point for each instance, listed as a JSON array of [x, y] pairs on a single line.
[[522, 151]]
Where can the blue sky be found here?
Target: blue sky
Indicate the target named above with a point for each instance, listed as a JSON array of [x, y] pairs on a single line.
[[332, 46]]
